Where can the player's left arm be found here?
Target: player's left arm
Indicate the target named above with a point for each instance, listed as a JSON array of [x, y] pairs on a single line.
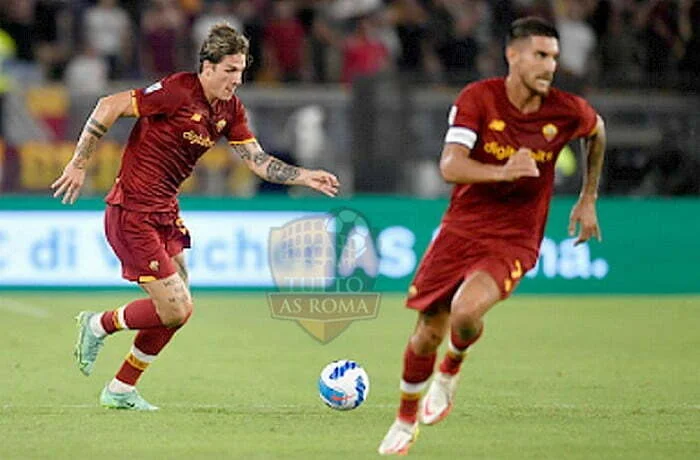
[[584, 214], [272, 169]]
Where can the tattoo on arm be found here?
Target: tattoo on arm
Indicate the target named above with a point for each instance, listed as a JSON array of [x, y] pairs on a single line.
[[251, 152], [276, 170], [281, 172], [260, 158], [97, 127], [242, 150], [87, 144], [594, 148]]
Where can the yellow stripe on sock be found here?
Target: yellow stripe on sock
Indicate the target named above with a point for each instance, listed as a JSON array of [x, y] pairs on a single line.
[[115, 320], [410, 396], [136, 363], [456, 356]]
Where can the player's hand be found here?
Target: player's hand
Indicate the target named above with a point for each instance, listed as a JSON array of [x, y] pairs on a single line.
[[69, 184], [320, 180], [584, 216], [520, 165]]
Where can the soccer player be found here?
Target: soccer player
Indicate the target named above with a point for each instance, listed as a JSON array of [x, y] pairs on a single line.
[[502, 143], [179, 119]]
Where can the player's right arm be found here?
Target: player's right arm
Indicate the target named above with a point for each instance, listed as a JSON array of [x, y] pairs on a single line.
[[465, 120], [106, 112], [457, 168]]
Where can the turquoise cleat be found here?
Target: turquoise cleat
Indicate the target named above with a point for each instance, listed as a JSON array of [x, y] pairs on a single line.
[[128, 401], [88, 345]]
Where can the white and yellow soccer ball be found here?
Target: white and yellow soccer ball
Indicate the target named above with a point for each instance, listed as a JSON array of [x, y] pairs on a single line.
[[343, 385]]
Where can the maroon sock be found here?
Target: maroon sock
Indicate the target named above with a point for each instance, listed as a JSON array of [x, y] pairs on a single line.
[[147, 344], [138, 314], [452, 361], [417, 369]]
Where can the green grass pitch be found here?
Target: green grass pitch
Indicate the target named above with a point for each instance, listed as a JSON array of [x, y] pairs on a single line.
[[552, 378]]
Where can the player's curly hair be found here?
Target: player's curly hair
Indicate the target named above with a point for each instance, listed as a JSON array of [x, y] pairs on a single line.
[[223, 40], [531, 26]]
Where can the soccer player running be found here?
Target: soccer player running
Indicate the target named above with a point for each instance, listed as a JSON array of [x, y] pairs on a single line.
[[179, 119], [500, 149]]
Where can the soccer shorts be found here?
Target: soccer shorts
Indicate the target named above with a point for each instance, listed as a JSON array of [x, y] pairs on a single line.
[[145, 242], [452, 258]]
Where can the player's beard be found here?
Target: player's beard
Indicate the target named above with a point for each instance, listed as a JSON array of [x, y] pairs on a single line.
[[533, 87], [226, 95]]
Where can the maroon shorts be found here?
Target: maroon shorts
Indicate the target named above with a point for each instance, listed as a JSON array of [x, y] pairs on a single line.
[[145, 242], [451, 258]]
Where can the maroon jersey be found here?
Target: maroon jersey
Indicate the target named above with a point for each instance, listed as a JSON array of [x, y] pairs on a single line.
[[176, 126], [484, 120]]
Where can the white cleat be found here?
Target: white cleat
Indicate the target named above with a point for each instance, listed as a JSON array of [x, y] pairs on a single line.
[[437, 402], [399, 439]]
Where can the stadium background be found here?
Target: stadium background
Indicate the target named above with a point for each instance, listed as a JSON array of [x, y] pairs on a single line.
[[594, 357], [360, 88]]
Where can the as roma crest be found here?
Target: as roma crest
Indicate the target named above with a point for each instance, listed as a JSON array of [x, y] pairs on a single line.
[[549, 131], [220, 125], [323, 266]]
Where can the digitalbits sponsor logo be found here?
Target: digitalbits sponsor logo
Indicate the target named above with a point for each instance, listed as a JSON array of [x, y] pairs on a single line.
[[325, 267]]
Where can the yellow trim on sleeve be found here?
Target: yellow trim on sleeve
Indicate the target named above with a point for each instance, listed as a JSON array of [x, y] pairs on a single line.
[[246, 141], [146, 279], [134, 104]]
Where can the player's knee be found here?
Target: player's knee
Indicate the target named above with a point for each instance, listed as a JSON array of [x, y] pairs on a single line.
[[177, 315], [467, 321], [426, 339]]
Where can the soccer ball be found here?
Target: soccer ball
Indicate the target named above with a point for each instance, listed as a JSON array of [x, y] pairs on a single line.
[[343, 385]]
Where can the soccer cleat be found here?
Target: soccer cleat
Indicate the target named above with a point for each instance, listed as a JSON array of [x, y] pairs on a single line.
[[128, 401], [437, 402], [88, 345], [399, 438]]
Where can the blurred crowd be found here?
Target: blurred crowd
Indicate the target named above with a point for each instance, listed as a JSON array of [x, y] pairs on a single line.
[[86, 44]]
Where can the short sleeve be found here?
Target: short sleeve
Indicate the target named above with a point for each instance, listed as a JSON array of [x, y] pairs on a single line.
[[465, 118], [588, 119], [239, 132], [162, 97]]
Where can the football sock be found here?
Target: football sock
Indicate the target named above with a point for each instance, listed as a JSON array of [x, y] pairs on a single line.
[[139, 314], [417, 369], [116, 386], [147, 344], [457, 351]]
